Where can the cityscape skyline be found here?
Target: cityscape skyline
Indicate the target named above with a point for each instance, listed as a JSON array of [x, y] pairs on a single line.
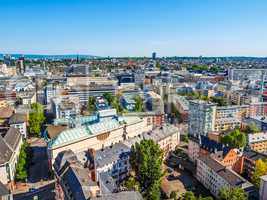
[[127, 28]]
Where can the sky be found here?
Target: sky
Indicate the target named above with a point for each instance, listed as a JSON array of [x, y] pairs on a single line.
[[134, 27]]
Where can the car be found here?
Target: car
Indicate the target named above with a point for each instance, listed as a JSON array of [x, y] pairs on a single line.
[[32, 190]]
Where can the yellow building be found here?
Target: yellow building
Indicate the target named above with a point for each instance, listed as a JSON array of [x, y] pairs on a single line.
[[3, 103], [258, 141]]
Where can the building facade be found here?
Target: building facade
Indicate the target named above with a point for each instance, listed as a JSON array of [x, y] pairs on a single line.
[[258, 142], [201, 117], [10, 145], [214, 176]]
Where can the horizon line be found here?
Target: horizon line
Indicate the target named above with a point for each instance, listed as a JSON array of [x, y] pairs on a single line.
[[179, 56]]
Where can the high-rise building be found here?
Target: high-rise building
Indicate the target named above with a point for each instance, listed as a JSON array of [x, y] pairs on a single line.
[[154, 55], [7, 59], [201, 118], [20, 65]]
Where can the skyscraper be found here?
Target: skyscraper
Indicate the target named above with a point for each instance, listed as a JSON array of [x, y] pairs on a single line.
[[20, 65], [154, 55], [7, 59]]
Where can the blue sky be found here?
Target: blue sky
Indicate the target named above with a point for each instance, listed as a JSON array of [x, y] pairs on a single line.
[[134, 27]]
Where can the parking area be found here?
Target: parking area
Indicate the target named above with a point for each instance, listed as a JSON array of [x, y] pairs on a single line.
[[179, 176], [178, 181]]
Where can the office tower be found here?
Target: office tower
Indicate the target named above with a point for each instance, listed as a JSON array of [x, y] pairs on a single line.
[[154, 55], [21, 65], [7, 59]]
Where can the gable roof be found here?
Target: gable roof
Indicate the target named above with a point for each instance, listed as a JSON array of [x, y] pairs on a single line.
[[17, 118], [3, 190], [6, 112], [78, 180], [254, 155], [5, 152], [8, 144], [12, 138], [228, 175], [54, 130]]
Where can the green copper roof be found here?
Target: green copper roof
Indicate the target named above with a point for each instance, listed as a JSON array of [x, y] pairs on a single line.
[[80, 133], [69, 136]]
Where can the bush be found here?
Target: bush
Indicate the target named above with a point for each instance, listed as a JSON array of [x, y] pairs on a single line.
[[173, 195]]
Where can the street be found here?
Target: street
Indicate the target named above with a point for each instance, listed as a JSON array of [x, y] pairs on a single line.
[[38, 183], [38, 170], [43, 193]]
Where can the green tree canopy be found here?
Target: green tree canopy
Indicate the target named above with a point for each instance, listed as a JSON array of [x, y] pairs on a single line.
[[221, 101], [36, 119], [116, 104], [91, 104], [233, 193], [158, 65], [132, 184], [199, 68], [109, 97], [189, 196], [235, 139], [22, 164], [173, 195], [146, 160], [260, 170], [252, 128], [139, 104]]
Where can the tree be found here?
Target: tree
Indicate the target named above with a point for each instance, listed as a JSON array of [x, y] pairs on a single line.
[[116, 104], [139, 105], [132, 184], [91, 104], [22, 164], [260, 170], [199, 68], [189, 196], [158, 65], [36, 119], [173, 195], [146, 160], [215, 69], [109, 97], [221, 101], [234, 139], [252, 128], [175, 113], [232, 193], [205, 198]]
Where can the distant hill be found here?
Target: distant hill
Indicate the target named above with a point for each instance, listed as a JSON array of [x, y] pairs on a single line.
[[50, 57]]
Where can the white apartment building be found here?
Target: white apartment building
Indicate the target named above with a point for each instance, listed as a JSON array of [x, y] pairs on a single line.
[[214, 176], [201, 117], [65, 107], [193, 149], [10, 145], [19, 121]]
